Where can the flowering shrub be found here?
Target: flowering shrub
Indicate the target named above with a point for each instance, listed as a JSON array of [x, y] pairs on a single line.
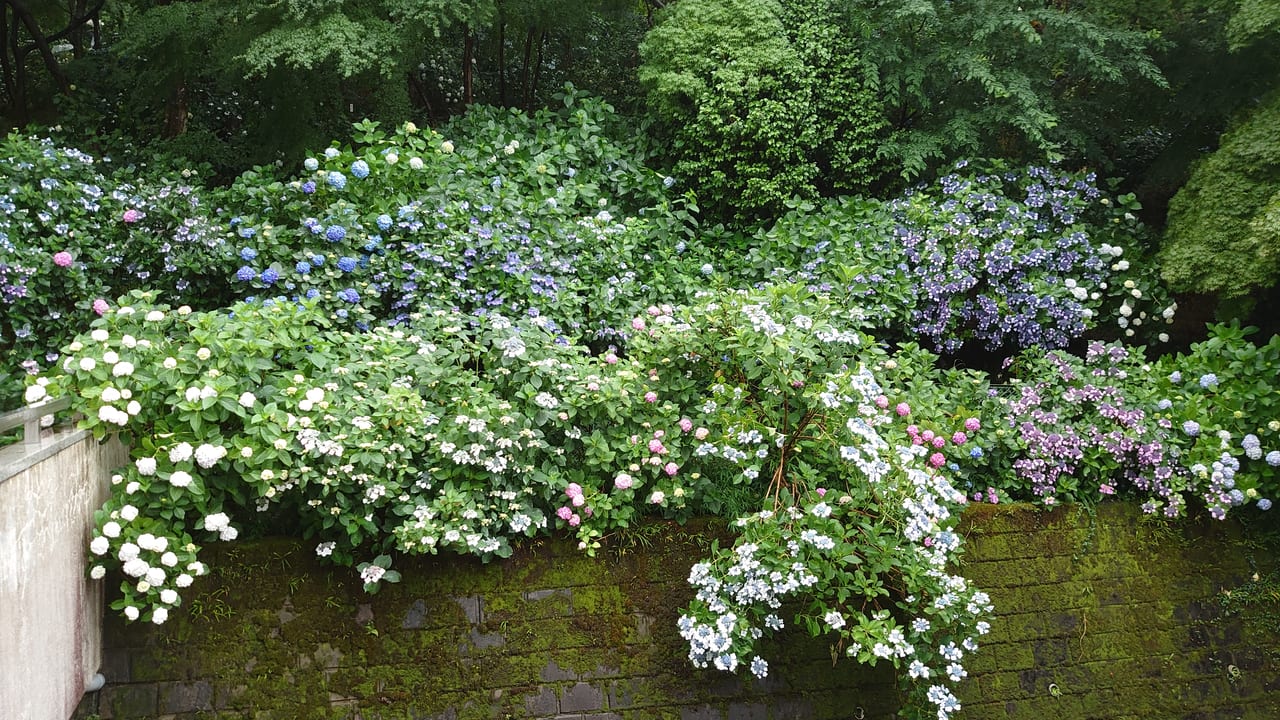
[[498, 212], [1005, 259], [74, 231], [858, 508], [1195, 426]]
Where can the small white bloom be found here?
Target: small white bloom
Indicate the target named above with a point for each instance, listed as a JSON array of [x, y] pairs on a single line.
[[170, 363], [100, 545], [183, 580], [203, 353], [146, 466], [99, 335], [154, 316], [110, 394], [169, 559], [180, 478], [110, 357], [111, 529], [181, 452], [415, 163], [247, 399], [159, 615], [133, 408], [97, 572], [88, 364], [129, 513], [122, 369], [129, 341], [169, 596], [131, 612]]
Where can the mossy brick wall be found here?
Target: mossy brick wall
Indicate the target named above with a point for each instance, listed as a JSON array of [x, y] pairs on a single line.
[[1100, 615]]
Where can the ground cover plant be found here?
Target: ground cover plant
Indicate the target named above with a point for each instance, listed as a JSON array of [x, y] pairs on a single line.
[[453, 339]]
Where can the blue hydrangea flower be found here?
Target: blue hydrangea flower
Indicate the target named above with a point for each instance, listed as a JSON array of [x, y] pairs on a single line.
[[311, 164], [335, 233], [331, 153], [270, 275], [308, 187], [1191, 427], [248, 254], [1264, 504], [346, 264], [317, 260], [312, 293], [302, 268], [246, 273], [384, 222], [360, 169], [336, 180], [1273, 458], [975, 453], [1208, 380], [1175, 377], [349, 295]]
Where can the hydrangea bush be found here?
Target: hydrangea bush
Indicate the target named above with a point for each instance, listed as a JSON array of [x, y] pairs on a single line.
[[1190, 430], [543, 216], [76, 231], [998, 258]]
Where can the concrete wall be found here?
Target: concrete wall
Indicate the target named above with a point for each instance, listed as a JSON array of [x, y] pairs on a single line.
[[1102, 615], [50, 612]]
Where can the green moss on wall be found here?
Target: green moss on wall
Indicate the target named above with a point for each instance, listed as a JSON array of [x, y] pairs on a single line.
[[1100, 614]]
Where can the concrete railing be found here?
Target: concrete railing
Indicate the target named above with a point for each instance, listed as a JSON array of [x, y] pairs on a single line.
[[50, 611]]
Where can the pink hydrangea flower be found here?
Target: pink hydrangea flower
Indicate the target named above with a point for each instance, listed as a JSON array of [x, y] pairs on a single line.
[[939, 442], [62, 259], [578, 501], [623, 481], [685, 424], [611, 358], [902, 409], [927, 435], [574, 490], [637, 323], [959, 438], [1106, 489], [937, 460], [671, 468], [100, 306], [821, 492], [131, 216], [912, 430], [655, 446], [564, 513], [701, 433], [882, 402], [972, 424], [651, 397], [574, 520]]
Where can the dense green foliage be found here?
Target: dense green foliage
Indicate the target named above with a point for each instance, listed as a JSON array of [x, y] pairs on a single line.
[[762, 102], [1224, 225]]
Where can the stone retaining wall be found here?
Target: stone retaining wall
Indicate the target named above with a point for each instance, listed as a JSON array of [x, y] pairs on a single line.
[[1099, 616]]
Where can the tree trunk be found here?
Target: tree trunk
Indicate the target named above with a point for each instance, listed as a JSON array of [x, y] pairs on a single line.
[[525, 100], [175, 111], [502, 62], [468, 51], [6, 67], [537, 71], [41, 43]]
